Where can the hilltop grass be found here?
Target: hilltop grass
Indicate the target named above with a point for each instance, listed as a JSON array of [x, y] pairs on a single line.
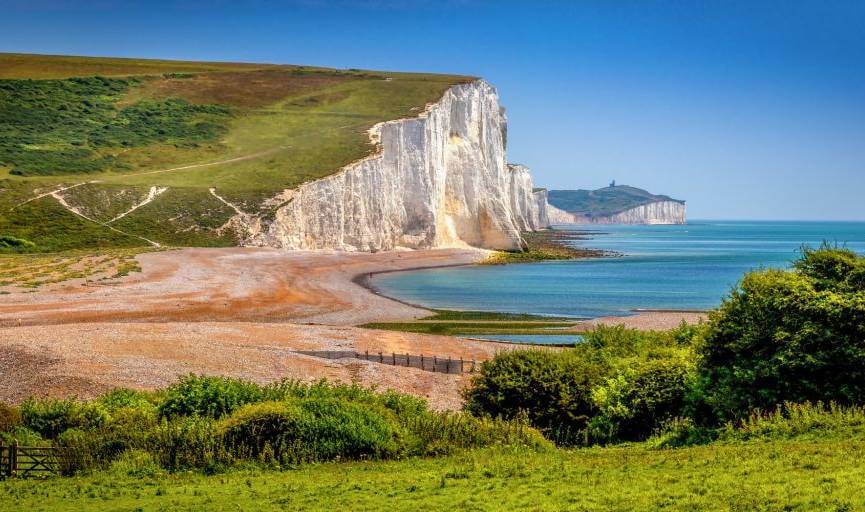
[[776, 475], [255, 130]]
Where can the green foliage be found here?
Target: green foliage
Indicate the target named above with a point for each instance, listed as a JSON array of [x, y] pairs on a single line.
[[799, 421], [10, 417], [638, 399], [310, 430], [553, 389], [188, 442], [51, 417], [213, 397], [795, 335], [122, 398], [211, 423], [11, 242], [618, 384], [50, 127]]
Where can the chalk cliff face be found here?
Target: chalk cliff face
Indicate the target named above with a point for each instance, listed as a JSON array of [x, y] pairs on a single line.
[[438, 180], [527, 204], [660, 212]]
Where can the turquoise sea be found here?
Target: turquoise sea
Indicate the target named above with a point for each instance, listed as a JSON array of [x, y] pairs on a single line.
[[688, 266]]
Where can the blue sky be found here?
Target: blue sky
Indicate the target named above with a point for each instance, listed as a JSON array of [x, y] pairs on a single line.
[[746, 109]]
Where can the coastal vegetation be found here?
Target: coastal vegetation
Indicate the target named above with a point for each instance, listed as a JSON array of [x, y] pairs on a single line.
[[467, 323], [545, 246], [31, 271], [780, 337]]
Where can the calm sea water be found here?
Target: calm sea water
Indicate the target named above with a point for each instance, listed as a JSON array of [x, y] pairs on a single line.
[[664, 267]]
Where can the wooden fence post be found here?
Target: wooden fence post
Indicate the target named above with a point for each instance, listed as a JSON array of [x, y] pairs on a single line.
[[380, 357], [435, 363], [407, 359], [421, 362], [13, 458], [448, 367], [461, 364], [393, 355], [367, 355]]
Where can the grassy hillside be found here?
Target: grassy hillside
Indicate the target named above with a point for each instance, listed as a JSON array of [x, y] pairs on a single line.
[[114, 128], [603, 201], [778, 475]]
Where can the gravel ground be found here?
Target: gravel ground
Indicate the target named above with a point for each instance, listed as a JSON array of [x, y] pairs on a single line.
[[239, 311]]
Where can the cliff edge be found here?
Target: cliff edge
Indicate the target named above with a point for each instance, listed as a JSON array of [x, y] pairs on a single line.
[[438, 180]]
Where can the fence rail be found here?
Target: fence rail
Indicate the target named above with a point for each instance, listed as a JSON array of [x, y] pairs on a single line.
[[29, 461], [429, 363]]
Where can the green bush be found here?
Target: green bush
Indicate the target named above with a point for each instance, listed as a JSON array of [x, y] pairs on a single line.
[[11, 242], [122, 398], [136, 464], [639, 399], [553, 389], [51, 417], [310, 430], [213, 397], [190, 442], [680, 432], [10, 417], [796, 336], [619, 384]]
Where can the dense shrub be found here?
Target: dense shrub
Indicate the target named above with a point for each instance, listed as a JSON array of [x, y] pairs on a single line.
[[209, 396], [639, 399], [189, 442], [553, 389], [619, 384], [10, 417], [17, 244], [122, 398], [210, 423], [50, 417], [62, 126], [796, 335], [310, 430]]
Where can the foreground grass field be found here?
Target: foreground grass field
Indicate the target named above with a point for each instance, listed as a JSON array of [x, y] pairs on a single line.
[[200, 135], [779, 475]]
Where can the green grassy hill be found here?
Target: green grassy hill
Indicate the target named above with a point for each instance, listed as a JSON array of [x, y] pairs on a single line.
[[603, 201], [114, 128]]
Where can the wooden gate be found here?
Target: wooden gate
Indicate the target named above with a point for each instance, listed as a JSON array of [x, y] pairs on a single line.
[[29, 461]]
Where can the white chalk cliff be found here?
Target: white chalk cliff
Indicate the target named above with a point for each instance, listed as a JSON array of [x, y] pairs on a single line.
[[659, 212], [438, 180]]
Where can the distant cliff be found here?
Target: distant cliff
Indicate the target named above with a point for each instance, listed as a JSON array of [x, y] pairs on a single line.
[[619, 204]]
